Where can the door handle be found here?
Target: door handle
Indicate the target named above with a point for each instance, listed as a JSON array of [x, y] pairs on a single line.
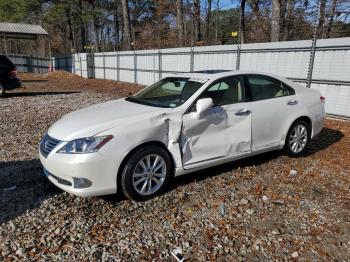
[[292, 102], [243, 112]]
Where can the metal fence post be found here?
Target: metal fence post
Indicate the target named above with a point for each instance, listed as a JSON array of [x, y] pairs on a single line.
[[66, 59], [238, 58], [135, 67], [313, 48], [191, 59], [118, 61], [22, 62], [104, 65], [81, 66], [72, 57], [160, 64], [154, 67]]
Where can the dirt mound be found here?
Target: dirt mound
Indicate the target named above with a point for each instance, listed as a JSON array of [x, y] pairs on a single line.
[[62, 75], [59, 81]]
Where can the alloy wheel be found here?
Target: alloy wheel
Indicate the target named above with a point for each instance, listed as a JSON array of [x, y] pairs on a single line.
[[298, 138], [149, 174]]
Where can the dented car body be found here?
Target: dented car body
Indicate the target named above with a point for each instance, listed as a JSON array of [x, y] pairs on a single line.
[[220, 117]]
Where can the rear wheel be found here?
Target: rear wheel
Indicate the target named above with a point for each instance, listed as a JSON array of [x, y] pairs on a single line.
[[146, 173], [2, 90], [297, 138]]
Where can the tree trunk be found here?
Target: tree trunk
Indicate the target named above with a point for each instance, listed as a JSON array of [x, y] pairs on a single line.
[[116, 26], [180, 20], [288, 21], [127, 28], [255, 7], [321, 19], [82, 26], [242, 21], [97, 34], [197, 20], [283, 12], [275, 20], [331, 19], [207, 21], [70, 28]]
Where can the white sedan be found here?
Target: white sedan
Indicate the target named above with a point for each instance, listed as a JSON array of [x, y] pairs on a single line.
[[178, 125]]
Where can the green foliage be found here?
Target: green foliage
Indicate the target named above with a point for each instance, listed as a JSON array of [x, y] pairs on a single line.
[[20, 10]]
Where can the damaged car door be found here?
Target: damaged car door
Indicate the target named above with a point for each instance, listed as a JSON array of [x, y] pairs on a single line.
[[223, 130]]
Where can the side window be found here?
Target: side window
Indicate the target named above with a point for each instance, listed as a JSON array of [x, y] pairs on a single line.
[[226, 91], [263, 87]]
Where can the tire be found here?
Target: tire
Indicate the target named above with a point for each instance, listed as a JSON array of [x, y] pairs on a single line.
[[2, 90], [297, 139], [140, 182]]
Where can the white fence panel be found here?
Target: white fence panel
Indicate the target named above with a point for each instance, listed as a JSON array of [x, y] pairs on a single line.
[[332, 65], [331, 73], [288, 64], [111, 74], [127, 61], [148, 62], [127, 76], [206, 61], [111, 60], [176, 62], [337, 98], [146, 78]]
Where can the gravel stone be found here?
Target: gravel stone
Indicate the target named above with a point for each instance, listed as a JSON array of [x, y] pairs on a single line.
[[20, 251], [295, 254], [243, 201], [293, 173], [39, 222], [250, 211]]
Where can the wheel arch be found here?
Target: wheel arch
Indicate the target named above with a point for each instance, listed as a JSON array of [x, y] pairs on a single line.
[[134, 149], [304, 118]]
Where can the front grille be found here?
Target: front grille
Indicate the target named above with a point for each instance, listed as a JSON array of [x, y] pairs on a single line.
[[47, 145]]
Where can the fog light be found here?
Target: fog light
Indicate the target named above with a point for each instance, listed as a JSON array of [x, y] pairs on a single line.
[[81, 182]]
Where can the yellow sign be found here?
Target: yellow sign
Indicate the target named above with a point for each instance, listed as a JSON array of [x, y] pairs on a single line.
[[234, 33]]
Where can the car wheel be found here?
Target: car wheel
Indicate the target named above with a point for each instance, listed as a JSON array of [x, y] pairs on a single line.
[[146, 173], [2, 90], [297, 138]]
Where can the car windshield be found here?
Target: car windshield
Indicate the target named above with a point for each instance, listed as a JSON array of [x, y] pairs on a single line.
[[168, 92]]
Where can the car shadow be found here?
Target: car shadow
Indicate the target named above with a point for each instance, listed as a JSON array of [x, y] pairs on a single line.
[[23, 187], [325, 139], [31, 94]]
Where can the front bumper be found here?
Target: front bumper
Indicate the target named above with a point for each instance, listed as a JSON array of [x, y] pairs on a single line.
[[61, 169]]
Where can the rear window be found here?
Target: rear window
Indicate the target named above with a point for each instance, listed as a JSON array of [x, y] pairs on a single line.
[[4, 61]]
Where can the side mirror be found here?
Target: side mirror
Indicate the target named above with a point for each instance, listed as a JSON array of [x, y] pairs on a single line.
[[203, 105]]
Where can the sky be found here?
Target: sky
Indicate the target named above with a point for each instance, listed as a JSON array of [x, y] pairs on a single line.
[[223, 4], [227, 4]]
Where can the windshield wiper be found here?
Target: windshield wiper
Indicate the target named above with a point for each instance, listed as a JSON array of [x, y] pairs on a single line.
[[142, 102]]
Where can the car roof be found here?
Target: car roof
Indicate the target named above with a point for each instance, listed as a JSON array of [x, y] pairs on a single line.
[[215, 74]]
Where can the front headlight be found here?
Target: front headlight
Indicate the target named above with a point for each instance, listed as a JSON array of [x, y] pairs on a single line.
[[85, 145]]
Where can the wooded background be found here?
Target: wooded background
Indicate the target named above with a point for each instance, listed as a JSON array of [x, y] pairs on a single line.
[[112, 25]]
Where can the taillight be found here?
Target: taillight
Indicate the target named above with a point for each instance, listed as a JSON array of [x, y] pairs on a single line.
[[322, 98], [13, 73]]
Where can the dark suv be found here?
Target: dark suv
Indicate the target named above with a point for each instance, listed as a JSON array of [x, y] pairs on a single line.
[[8, 75]]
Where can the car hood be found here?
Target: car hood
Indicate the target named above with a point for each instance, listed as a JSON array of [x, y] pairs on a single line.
[[92, 120]]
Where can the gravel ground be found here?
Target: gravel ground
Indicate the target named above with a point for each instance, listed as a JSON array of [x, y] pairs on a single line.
[[269, 207]]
